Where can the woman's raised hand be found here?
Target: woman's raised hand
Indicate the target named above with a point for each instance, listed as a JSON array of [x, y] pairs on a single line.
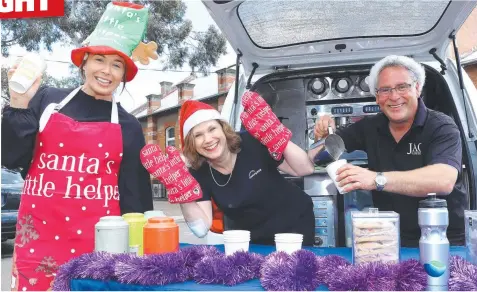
[[260, 121], [18, 100], [172, 172]]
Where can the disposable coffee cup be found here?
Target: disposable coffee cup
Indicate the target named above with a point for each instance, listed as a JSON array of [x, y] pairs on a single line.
[[235, 233], [332, 168], [29, 69], [288, 242], [233, 247], [236, 240]]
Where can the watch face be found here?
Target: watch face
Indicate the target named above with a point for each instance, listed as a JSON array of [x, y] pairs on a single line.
[[381, 180]]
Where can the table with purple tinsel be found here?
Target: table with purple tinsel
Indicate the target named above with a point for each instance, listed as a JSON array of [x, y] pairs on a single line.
[[205, 267]]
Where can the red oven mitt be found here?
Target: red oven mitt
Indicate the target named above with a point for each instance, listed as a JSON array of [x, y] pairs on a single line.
[[172, 172], [260, 121]]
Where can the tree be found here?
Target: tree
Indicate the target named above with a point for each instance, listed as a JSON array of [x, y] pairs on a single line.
[[166, 26]]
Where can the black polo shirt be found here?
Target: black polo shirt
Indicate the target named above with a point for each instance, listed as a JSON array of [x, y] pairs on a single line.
[[433, 138], [257, 197]]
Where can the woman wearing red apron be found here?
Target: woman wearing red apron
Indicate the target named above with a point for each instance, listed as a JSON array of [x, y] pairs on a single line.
[[80, 152]]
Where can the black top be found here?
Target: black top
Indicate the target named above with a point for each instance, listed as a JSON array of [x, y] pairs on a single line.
[[257, 197], [433, 138], [20, 126]]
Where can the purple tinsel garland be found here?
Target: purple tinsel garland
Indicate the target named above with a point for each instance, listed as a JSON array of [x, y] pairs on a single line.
[[193, 255], [302, 270], [228, 270], [157, 269], [328, 265], [97, 265], [411, 276], [298, 271], [463, 275], [375, 276]]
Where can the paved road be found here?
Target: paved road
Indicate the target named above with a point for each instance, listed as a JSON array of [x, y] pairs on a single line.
[[170, 210]]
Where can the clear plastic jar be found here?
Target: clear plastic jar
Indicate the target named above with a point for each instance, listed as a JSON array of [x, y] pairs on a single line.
[[375, 236]]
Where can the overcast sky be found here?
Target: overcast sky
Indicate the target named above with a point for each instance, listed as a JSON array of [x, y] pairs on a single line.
[[146, 81]]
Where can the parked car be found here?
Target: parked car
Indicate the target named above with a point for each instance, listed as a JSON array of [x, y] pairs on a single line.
[[12, 185], [310, 58]]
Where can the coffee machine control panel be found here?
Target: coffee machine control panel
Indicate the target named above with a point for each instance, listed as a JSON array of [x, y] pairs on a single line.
[[344, 114]]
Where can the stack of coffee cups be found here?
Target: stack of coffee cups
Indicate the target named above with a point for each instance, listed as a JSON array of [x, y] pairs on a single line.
[[236, 240], [288, 242]]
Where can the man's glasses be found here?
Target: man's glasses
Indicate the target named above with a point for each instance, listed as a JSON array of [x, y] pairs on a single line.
[[400, 89]]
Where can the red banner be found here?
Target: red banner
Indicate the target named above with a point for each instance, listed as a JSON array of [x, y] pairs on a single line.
[[31, 8]]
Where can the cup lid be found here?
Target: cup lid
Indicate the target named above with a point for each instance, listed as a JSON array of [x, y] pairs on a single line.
[[160, 220], [133, 215], [111, 218], [433, 202]]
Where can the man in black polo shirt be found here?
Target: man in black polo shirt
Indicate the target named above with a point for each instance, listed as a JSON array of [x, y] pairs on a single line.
[[412, 150]]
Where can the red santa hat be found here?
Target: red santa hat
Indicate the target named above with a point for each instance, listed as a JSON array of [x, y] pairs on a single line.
[[194, 112]]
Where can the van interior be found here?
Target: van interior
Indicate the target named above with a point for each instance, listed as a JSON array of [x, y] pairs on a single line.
[[299, 98]]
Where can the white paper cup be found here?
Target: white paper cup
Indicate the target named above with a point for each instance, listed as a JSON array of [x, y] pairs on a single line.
[[288, 246], [236, 233], [30, 67], [233, 246], [332, 168], [236, 240], [288, 242], [289, 236]]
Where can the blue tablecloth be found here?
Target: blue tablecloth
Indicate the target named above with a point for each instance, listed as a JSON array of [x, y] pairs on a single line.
[[95, 285]]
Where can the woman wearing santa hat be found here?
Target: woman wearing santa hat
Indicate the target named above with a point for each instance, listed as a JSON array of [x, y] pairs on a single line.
[[238, 172], [79, 150]]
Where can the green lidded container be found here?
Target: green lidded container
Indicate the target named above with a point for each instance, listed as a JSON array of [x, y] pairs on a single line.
[[136, 223]]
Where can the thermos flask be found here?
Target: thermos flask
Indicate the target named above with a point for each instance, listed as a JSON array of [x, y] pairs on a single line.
[[136, 223], [433, 219], [111, 235]]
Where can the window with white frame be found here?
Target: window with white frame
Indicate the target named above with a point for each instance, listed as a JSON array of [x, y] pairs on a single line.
[[170, 137]]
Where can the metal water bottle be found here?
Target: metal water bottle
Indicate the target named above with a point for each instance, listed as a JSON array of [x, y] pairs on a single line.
[[433, 244]]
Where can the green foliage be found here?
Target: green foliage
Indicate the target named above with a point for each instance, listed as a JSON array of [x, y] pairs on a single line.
[[177, 43]]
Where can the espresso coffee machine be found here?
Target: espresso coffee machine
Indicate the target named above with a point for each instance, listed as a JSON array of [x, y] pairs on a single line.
[[346, 98]]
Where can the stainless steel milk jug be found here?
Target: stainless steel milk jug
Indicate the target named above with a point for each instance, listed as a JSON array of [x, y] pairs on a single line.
[[433, 219]]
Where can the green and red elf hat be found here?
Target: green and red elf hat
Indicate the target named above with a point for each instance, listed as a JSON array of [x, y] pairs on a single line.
[[120, 31]]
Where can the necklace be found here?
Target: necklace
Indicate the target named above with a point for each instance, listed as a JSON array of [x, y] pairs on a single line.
[[212, 174]]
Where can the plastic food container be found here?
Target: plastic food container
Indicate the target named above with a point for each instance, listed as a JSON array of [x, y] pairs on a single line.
[[136, 223], [154, 213], [111, 235], [471, 236], [375, 236], [161, 235]]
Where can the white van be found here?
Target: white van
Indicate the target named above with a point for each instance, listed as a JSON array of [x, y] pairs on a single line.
[[309, 58]]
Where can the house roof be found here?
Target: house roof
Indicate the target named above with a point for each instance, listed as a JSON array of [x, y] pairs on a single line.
[[169, 96], [205, 88]]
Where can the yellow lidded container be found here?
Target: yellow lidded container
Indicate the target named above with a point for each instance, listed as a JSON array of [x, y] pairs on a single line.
[[136, 223]]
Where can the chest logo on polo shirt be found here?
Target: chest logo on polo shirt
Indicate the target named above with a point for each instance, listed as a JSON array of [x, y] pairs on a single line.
[[414, 149], [253, 173]]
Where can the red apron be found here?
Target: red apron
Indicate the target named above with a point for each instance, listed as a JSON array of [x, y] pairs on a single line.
[[72, 182]]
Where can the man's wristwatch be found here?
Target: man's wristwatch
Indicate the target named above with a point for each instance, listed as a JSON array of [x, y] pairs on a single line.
[[380, 181]]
